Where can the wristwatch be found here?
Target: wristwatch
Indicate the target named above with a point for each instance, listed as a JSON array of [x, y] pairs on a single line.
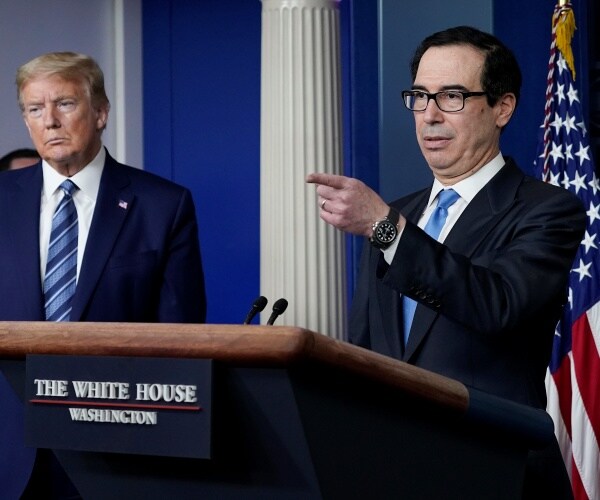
[[385, 231]]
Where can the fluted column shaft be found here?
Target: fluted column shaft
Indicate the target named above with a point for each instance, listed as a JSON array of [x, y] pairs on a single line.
[[302, 258]]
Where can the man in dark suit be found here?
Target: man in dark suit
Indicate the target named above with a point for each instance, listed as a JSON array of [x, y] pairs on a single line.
[[141, 261], [488, 285], [135, 253]]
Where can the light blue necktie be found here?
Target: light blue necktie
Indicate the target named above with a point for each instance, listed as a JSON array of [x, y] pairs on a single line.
[[433, 228], [61, 268]]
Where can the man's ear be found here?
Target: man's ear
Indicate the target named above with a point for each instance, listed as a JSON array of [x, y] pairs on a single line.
[[505, 108], [102, 116]]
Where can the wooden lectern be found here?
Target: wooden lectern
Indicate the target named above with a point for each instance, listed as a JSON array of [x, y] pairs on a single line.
[[299, 415]]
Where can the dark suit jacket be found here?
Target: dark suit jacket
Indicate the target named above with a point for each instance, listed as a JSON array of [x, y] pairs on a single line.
[[489, 297], [141, 264], [142, 258]]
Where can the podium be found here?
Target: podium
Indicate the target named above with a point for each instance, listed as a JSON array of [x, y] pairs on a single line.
[[296, 414]]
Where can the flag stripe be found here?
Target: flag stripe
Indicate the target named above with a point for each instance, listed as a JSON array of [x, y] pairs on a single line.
[[560, 429], [584, 350], [584, 445], [594, 322], [578, 490], [562, 379]]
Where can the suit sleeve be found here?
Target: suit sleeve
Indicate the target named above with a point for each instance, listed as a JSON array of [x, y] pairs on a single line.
[[182, 295], [520, 268]]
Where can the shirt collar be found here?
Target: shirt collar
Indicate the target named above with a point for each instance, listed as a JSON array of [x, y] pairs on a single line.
[[469, 187], [87, 179]]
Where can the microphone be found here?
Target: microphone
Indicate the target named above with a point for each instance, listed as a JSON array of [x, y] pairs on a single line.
[[278, 308], [258, 305]]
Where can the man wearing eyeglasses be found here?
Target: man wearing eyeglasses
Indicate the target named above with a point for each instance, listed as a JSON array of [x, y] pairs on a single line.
[[466, 278]]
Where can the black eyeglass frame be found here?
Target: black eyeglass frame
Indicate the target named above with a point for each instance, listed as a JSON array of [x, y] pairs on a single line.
[[465, 95]]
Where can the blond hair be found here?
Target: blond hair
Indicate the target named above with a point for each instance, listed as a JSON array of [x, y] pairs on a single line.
[[69, 66]]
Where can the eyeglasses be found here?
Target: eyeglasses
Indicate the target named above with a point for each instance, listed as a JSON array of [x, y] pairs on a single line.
[[449, 101]]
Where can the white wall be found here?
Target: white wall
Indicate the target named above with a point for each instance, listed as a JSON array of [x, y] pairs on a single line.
[[107, 30]]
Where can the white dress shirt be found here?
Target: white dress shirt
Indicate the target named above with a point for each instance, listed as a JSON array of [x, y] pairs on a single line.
[[467, 189], [88, 182]]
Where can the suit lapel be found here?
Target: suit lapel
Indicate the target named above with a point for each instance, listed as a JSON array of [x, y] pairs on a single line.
[[413, 209], [23, 204], [485, 211], [482, 215], [115, 200]]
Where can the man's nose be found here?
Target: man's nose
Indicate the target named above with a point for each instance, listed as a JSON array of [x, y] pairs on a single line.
[[432, 112], [51, 117]]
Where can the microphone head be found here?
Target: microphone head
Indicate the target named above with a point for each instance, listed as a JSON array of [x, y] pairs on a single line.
[[257, 306], [260, 303], [280, 306]]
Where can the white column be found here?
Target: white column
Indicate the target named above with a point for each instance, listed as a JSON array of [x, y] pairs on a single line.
[[302, 258], [127, 106]]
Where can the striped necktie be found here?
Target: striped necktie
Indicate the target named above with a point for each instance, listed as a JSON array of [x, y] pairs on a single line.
[[433, 228], [61, 268]]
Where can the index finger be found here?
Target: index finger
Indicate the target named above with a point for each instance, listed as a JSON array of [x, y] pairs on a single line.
[[331, 180]]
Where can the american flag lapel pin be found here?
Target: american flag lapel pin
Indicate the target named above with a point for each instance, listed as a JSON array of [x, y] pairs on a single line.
[[123, 204]]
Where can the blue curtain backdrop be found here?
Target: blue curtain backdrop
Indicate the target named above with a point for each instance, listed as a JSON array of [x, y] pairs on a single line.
[[594, 79], [202, 129]]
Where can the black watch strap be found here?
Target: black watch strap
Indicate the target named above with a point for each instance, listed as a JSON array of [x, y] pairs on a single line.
[[393, 216]]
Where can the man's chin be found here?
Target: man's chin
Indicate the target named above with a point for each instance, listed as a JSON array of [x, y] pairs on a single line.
[[437, 160], [58, 155], [441, 169], [61, 163]]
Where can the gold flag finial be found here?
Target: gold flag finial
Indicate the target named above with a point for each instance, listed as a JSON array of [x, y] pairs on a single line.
[[564, 20]]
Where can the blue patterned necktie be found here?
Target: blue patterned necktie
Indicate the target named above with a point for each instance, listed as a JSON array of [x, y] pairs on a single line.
[[433, 228], [61, 268]]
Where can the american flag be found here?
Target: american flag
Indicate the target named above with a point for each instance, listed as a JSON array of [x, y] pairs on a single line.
[[565, 159]]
